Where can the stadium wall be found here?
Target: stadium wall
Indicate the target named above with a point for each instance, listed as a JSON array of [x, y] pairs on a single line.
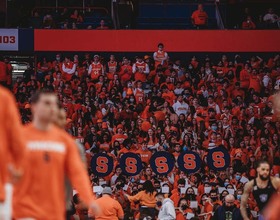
[[146, 41]]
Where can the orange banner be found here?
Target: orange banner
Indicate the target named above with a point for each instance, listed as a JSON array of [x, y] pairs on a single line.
[[147, 40]]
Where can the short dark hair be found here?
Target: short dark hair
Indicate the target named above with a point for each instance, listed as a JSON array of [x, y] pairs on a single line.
[[181, 181], [260, 162], [160, 44], [36, 97]]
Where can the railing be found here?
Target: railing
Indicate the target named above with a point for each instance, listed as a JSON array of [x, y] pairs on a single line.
[[220, 23], [84, 9]]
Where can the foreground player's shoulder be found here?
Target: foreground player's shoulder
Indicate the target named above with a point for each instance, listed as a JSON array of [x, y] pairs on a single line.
[[249, 186], [276, 182], [63, 135]]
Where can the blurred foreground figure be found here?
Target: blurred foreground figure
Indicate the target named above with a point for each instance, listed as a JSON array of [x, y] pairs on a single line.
[[273, 209], [263, 188], [12, 150], [52, 155]]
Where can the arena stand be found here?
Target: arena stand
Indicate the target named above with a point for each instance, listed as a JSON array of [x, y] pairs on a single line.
[[200, 99]]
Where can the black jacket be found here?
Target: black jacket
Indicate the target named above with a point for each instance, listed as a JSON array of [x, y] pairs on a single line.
[[220, 213]]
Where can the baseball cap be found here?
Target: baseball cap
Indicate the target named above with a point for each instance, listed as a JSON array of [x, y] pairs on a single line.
[[107, 190]]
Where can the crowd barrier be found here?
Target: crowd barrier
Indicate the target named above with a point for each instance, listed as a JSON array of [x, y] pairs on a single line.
[[42, 40]]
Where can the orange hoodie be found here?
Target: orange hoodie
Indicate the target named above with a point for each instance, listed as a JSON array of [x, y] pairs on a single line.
[[12, 147], [51, 155]]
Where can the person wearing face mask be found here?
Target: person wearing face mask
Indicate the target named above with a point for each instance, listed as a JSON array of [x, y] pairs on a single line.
[[183, 209], [165, 207], [228, 211], [211, 202], [176, 193]]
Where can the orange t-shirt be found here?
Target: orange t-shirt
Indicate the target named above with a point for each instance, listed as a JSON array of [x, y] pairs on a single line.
[[12, 140], [52, 154], [110, 209], [199, 17]]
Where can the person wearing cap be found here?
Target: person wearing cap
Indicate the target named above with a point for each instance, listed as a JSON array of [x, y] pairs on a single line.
[[119, 136], [109, 208], [96, 68]]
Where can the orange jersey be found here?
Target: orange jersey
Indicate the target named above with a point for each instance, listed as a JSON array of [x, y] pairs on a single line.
[[112, 69], [12, 147], [52, 154], [95, 70], [110, 209], [160, 55], [199, 17], [139, 74], [139, 96]]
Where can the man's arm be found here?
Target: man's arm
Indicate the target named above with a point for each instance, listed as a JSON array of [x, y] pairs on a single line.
[[77, 174], [244, 199], [120, 211], [276, 183], [15, 139]]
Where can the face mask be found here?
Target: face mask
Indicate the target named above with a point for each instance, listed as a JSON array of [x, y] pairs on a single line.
[[214, 199], [214, 128], [58, 59], [238, 197], [237, 177], [226, 184], [131, 100], [159, 203], [184, 207], [132, 180], [185, 148]]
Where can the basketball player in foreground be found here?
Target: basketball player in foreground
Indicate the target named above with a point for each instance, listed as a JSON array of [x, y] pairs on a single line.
[[263, 188], [12, 150], [52, 155], [272, 212]]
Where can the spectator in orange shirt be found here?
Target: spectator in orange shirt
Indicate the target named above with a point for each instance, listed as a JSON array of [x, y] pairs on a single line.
[[248, 24], [110, 209], [199, 18]]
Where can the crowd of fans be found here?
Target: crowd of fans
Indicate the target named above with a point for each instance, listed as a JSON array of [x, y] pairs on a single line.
[[270, 20], [150, 104], [66, 19]]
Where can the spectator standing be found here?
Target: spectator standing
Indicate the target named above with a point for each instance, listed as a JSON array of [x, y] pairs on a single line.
[[272, 20], [102, 26], [248, 24], [160, 56], [68, 68], [109, 208], [199, 18], [147, 199], [166, 208], [228, 211]]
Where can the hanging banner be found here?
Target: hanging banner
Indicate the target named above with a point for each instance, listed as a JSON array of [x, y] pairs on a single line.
[[9, 40]]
